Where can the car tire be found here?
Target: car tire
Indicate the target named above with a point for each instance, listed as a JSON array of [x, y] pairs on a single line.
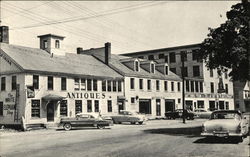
[[100, 126], [67, 127], [140, 123]]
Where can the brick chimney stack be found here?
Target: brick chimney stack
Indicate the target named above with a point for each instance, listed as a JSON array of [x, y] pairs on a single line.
[[107, 52], [4, 34]]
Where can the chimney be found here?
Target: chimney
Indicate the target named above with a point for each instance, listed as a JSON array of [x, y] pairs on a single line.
[[79, 50], [107, 52], [4, 34]]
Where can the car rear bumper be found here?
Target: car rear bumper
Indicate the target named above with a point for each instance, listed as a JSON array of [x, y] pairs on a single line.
[[220, 134]]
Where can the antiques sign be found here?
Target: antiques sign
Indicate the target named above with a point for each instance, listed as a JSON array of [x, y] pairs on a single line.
[[77, 95]]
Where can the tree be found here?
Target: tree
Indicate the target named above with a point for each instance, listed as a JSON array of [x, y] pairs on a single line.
[[227, 47]]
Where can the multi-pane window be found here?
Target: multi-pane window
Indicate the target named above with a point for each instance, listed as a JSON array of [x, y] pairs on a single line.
[[211, 73], [50, 82], [172, 57], [57, 44], [1, 108], [157, 85], [151, 57], [89, 84], [152, 68], [119, 86], [173, 70], [78, 106], [196, 86], [179, 86], [187, 86], [132, 83], [35, 108], [89, 105], [114, 86], [13, 83], [201, 87], [166, 70], [195, 54], [63, 83], [3, 84], [83, 84], [96, 105], [196, 70], [94, 85], [192, 86], [141, 83], [77, 84], [161, 56], [149, 84], [185, 72], [104, 85], [132, 100], [172, 86], [136, 66], [109, 86], [165, 85], [184, 55], [35, 81], [226, 88], [109, 103], [212, 87], [63, 108]]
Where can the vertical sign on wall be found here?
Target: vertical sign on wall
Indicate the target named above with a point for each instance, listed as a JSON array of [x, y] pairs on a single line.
[[17, 102]]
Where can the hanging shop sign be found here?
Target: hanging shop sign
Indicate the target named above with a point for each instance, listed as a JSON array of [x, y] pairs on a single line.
[[76, 95]]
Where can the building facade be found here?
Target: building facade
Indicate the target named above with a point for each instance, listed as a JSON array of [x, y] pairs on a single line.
[[201, 84], [242, 95]]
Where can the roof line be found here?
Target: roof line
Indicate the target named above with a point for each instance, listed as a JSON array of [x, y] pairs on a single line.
[[18, 65]]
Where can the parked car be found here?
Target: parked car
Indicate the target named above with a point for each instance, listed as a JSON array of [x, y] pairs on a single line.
[[128, 116], [85, 120], [179, 114], [226, 123], [202, 113]]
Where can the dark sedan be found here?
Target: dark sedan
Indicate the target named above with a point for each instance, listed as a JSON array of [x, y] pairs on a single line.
[[179, 114], [85, 120]]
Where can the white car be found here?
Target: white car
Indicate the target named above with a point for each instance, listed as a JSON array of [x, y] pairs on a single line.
[[128, 116], [202, 113]]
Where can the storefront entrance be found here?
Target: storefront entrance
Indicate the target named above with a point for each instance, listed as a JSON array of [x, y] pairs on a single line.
[[50, 111], [145, 106], [189, 105], [120, 105], [169, 105]]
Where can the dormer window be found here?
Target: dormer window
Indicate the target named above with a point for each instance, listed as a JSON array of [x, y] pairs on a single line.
[[57, 44], [166, 70], [136, 66], [152, 67]]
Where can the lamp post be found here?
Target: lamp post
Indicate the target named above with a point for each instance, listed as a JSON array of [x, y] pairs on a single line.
[[183, 87]]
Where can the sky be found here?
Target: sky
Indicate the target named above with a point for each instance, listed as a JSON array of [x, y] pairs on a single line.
[[128, 26]]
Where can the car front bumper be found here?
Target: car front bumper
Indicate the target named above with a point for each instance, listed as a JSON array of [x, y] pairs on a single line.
[[220, 134]]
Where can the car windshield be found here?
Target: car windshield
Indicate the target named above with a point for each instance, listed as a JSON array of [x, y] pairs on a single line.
[[223, 115]]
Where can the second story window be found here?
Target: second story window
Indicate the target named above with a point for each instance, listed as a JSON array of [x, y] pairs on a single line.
[[151, 57], [211, 73], [152, 67], [104, 86], [187, 85], [184, 55], [149, 84], [172, 57], [166, 70], [179, 86], [161, 56], [201, 87], [89, 84], [13, 83], [83, 84], [63, 83], [212, 87], [196, 86], [165, 85], [35, 81], [195, 54], [192, 86], [114, 86], [185, 71], [196, 70], [50, 82], [166, 58], [57, 44], [136, 66], [172, 86], [119, 86], [141, 84], [132, 83], [3, 84], [109, 86], [226, 88], [157, 85], [94, 85], [77, 84]]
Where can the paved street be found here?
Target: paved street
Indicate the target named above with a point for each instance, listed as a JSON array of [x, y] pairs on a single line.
[[156, 138]]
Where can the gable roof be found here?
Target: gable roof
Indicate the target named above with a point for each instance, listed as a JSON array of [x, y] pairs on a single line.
[[37, 60]]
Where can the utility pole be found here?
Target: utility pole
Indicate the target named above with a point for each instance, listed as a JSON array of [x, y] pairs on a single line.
[[183, 87]]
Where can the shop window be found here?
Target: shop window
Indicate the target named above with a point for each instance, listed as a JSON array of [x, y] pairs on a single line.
[[63, 108], [63, 83], [157, 85], [187, 85], [13, 83], [227, 105], [89, 84], [104, 87], [119, 86], [158, 107], [89, 105], [50, 82], [132, 83], [184, 55], [132, 100], [151, 57], [212, 106], [36, 81], [35, 108], [109, 105], [212, 87], [149, 84], [136, 66], [201, 87], [221, 105], [166, 59], [192, 86], [77, 84], [211, 73], [78, 106], [57, 44], [172, 57], [195, 54], [1, 108], [141, 84], [196, 70], [196, 86], [166, 70], [83, 84], [3, 84], [152, 67], [96, 105], [173, 70], [200, 104], [94, 85], [165, 85], [179, 86], [226, 88], [114, 86], [172, 86], [109, 86]]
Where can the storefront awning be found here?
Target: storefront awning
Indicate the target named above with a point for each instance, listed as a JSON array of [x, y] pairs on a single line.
[[50, 97]]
